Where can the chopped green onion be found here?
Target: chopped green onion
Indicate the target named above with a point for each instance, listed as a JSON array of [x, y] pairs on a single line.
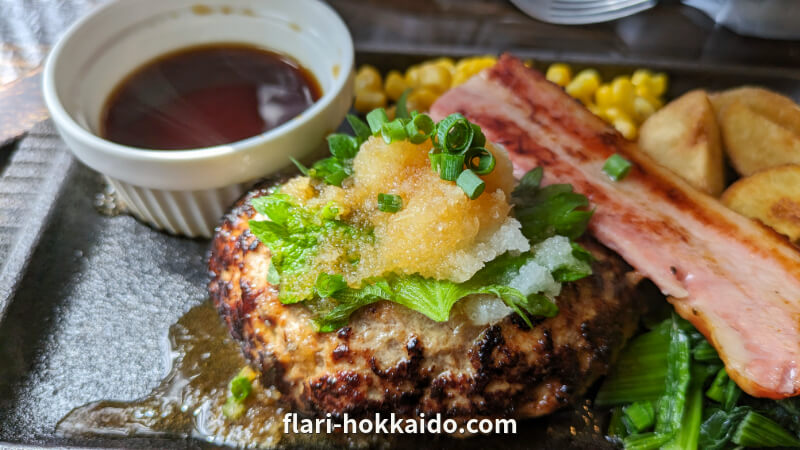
[[303, 169], [233, 409], [756, 430], [617, 167], [717, 430], [327, 284], [342, 146], [480, 160], [616, 427], [455, 134], [240, 388], [330, 211], [703, 351], [419, 128], [447, 165], [360, 128], [376, 118], [393, 131], [479, 139], [401, 108], [639, 416], [390, 203], [471, 184]]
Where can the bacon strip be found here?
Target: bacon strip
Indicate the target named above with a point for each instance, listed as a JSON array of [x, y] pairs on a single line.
[[735, 280]]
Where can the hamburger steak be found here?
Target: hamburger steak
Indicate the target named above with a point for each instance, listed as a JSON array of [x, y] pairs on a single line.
[[392, 359]]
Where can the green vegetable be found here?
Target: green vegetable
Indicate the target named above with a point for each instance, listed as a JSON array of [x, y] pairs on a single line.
[[717, 430], [331, 170], [419, 128], [390, 203], [239, 389], [360, 128], [342, 146], [646, 441], [672, 403], [393, 131], [401, 107], [447, 165], [376, 118], [479, 160], [293, 235], [327, 285], [455, 134], [302, 168], [478, 138], [703, 351], [688, 433], [471, 184], [756, 430], [640, 372], [617, 167], [616, 427], [639, 416], [548, 211]]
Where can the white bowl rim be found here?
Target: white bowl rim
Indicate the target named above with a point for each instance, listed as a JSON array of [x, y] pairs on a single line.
[[65, 120]]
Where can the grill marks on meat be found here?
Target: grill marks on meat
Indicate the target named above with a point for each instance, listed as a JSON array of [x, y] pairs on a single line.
[[735, 280], [392, 359]]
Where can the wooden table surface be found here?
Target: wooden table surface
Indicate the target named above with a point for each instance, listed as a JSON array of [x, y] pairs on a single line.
[[670, 33]]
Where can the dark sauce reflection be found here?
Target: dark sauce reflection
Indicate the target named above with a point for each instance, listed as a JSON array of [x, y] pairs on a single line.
[[189, 403], [205, 96]]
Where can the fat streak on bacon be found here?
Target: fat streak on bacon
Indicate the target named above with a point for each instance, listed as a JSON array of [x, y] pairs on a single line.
[[732, 278]]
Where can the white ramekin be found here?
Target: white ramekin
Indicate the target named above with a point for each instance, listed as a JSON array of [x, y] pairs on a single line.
[[187, 191]]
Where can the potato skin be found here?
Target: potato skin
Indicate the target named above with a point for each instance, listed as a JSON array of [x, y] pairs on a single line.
[[771, 196], [392, 359]]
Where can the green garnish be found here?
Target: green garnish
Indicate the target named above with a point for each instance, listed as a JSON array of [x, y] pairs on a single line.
[[454, 134], [376, 118], [401, 107], [393, 131], [327, 285], [617, 167], [360, 128], [342, 146], [447, 165], [239, 389], [471, 184], [480, 160], [390, 203], [550, 210], [419, 128]]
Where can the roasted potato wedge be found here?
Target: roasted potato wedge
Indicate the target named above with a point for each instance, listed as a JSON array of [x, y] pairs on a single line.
[[684, 137], [778, 108], [754, 142], [771, 196]]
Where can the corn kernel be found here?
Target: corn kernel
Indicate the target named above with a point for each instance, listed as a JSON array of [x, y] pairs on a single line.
[[658, 84], [604, 96], [368, 79], [394, 85], [434, 77], [447, 63], [614, 113], [622, 93], [468, 67], [421, 99], [625, 128], [584, 85], [641, 77], [642, 109], [412, 76], [366, 101], [596, 110], [645, 94], [560, 74]]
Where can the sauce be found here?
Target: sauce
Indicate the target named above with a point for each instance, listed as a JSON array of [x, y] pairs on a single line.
[[188, 404], [205, 96]]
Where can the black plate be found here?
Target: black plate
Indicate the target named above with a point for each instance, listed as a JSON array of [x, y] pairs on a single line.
[[86, 300]]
